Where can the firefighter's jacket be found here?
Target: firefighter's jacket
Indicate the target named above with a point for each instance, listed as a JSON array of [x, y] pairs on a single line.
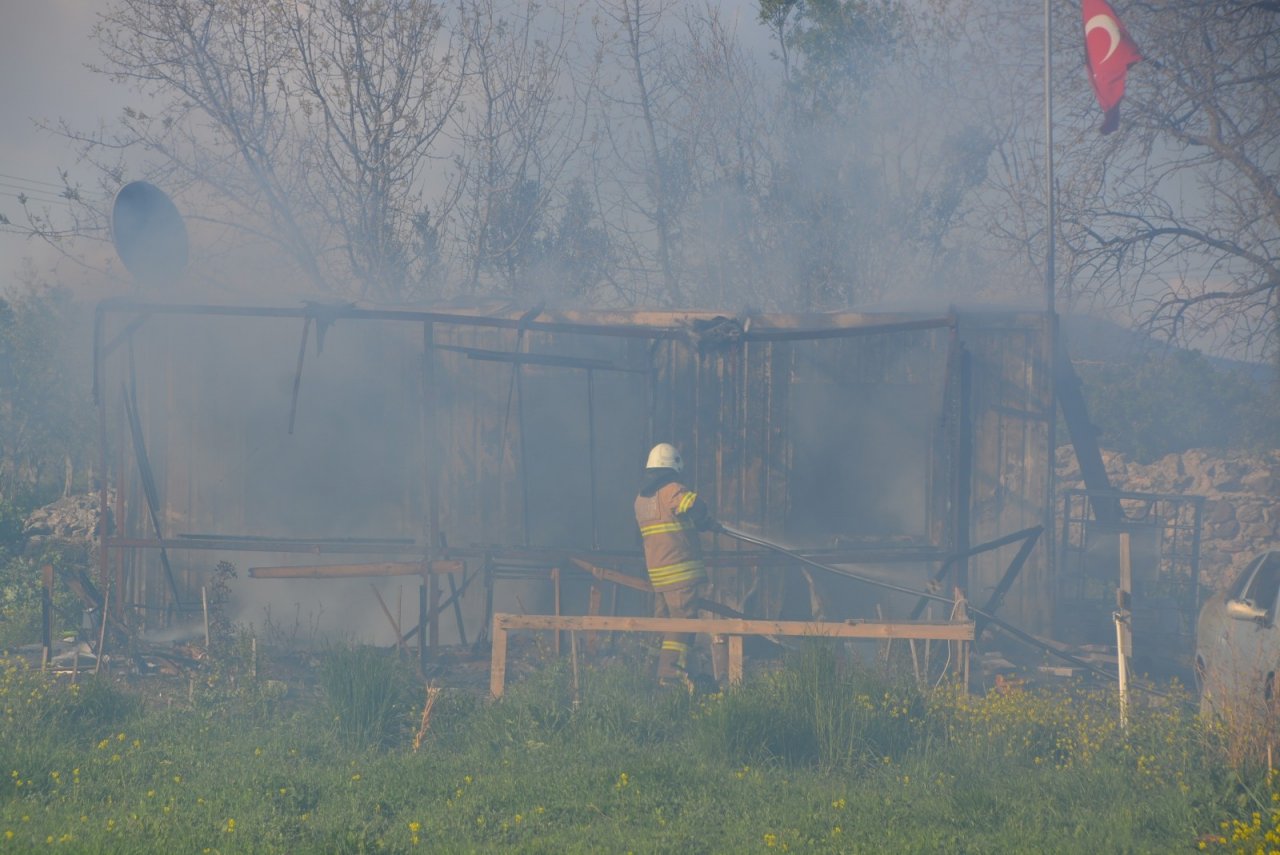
[[669, 519]]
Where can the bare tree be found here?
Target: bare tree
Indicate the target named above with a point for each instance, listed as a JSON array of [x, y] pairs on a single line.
[[522, 128], [386, 84], [1181, 216], [642, 160], [725, 112], [1174, 220], [873, 168], [308, 124]]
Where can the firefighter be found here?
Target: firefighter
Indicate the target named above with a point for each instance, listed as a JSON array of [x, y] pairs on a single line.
[[670, 515]]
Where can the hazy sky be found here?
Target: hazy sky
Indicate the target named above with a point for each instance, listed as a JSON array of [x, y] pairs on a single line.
[[44, 45]]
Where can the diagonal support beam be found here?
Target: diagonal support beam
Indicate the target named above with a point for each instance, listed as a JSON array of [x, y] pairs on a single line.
[[1028, 536]]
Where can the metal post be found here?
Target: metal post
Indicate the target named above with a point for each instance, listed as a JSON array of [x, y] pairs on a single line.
[[591, 456], [523, 468], [431, 435], [204, 607], [1052, 226], [1050, 296], [422, 620], [1122, 664], [1124, 629], [433, 593], [102, 630], [964, 469], [100, 400]]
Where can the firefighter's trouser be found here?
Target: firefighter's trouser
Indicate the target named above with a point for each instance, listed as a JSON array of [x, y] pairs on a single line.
[[676, 603]]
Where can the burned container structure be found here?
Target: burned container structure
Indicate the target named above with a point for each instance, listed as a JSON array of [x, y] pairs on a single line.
[[482, 443]]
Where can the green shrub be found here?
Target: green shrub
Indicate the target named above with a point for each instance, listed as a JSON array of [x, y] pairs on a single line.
[[38, 708], [536, 772], [820, 709], [364, 690]]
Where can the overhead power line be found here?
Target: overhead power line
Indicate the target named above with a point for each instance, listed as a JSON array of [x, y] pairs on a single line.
[[32, 181], [43, 196]]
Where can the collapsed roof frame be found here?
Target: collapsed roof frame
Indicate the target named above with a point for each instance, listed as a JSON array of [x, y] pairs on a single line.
[[654, 326]]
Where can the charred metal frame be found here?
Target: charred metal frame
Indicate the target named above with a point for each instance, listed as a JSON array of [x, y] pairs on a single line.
[[952, 551], [1169, 589]]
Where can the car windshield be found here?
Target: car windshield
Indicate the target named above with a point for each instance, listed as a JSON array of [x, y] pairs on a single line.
[[1260, 584]]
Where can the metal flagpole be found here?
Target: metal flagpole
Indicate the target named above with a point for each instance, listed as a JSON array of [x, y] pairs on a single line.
[[1048, 159], [1049, 543]]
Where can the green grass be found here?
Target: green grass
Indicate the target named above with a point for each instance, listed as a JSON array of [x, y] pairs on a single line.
[[818, 756]]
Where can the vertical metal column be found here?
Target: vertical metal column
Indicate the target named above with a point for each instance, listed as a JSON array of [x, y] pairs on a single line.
[[100, 399], [964, 467], [591, 456]]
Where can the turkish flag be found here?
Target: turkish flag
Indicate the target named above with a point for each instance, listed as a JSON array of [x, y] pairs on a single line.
[[1110, 52]]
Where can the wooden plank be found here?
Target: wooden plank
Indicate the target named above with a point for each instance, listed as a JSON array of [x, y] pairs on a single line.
[[735, 629], [593, 608], [604, 574], [46, 614], [498, 661], [555, 586], [337, 571], [341, 571], [933, 630]]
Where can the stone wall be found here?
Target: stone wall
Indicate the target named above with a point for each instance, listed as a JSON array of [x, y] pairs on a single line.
[[1241, 491]]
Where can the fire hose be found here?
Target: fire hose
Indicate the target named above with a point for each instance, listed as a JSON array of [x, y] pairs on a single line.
[[1019, 634]]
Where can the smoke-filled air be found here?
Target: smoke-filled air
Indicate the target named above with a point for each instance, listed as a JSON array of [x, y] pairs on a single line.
[[639, 426]]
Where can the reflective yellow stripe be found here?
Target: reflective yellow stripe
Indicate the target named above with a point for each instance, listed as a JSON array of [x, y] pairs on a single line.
[[678, 646], [673, 574], [686, 502], [664, 528]]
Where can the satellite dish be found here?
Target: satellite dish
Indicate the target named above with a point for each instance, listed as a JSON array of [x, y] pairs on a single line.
[[148, 232]]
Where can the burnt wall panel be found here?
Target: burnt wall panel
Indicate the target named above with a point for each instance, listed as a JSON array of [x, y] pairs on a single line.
[[831, 441], [862, 422], [1011, 404]]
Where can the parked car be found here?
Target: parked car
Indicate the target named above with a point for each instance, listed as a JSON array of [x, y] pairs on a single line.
[[1238, 642]]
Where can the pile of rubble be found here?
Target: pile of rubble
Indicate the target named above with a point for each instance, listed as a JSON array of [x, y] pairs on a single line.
[[72, 521]]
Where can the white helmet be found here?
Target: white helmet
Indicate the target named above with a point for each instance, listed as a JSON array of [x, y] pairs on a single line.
[[664, 456]]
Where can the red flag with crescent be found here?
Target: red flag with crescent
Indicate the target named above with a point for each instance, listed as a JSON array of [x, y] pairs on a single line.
[[1110, 52]]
